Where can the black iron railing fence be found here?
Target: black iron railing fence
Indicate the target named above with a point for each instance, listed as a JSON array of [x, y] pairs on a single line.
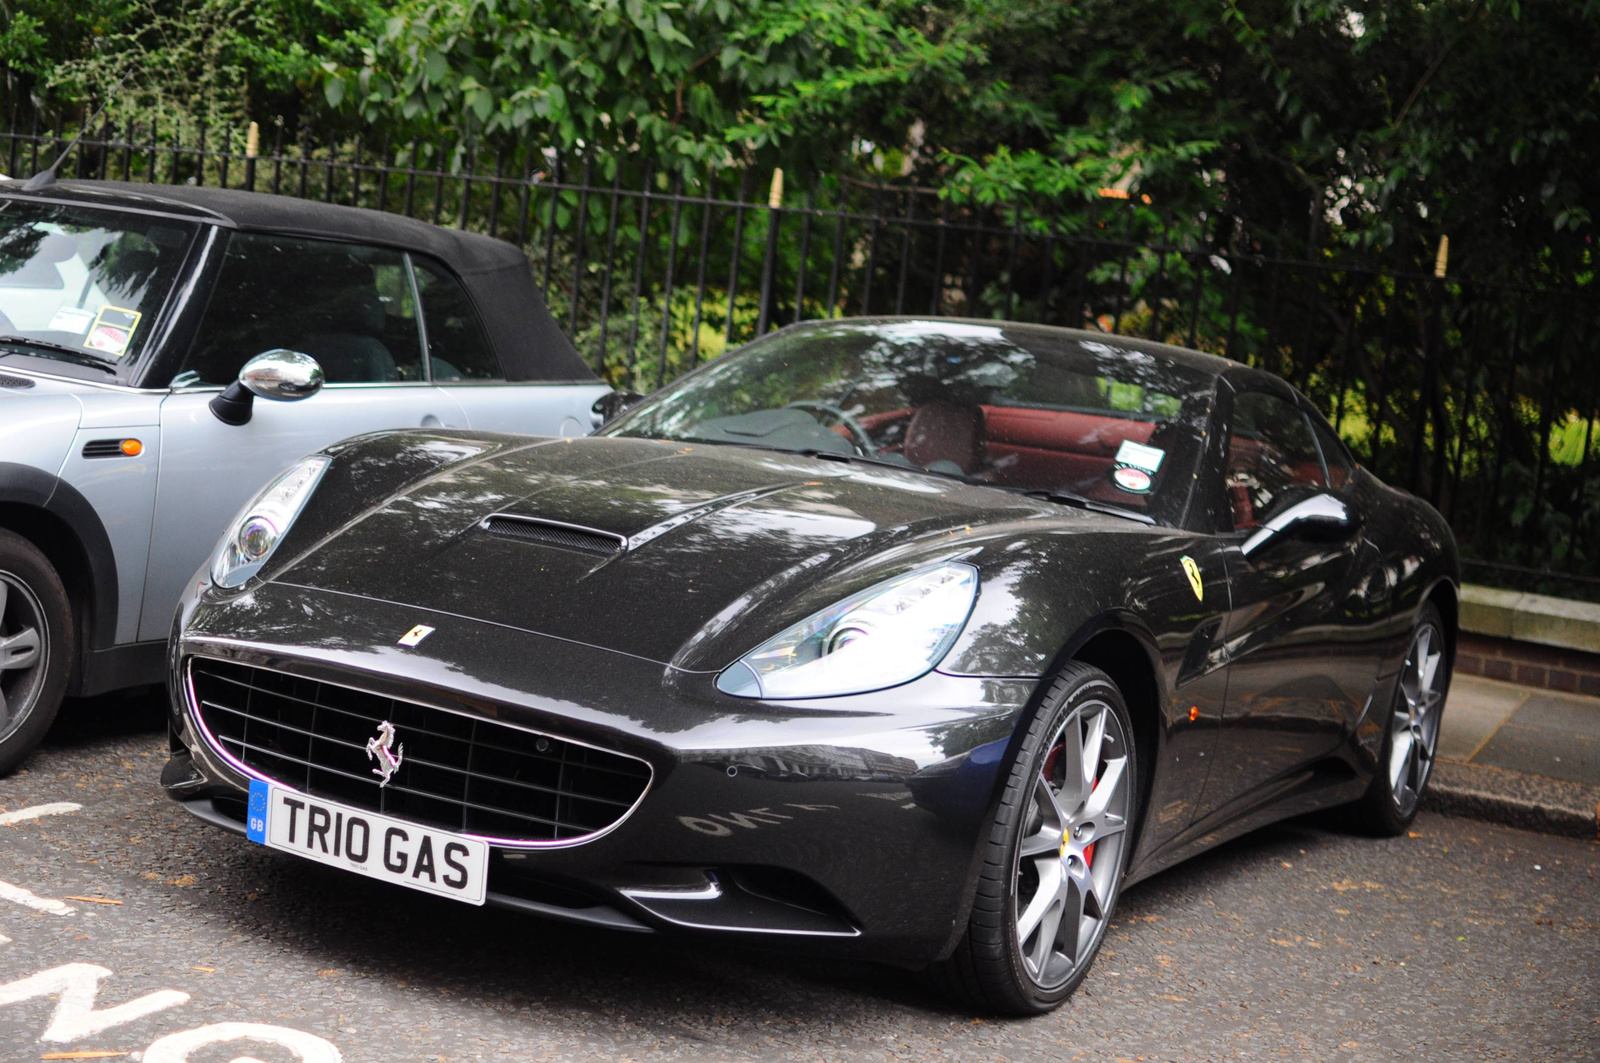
[[1483, 397]]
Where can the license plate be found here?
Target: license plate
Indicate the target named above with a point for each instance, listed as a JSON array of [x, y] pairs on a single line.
[[379, 847]]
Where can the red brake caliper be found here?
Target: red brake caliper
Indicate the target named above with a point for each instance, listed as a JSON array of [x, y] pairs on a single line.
[[1088, 850]]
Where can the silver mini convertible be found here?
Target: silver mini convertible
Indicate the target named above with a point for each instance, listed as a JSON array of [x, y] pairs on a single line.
[[139, 325]]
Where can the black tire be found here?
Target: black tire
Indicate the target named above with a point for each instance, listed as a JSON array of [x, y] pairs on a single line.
[[1384, 810], [32, 599], [989, 970]]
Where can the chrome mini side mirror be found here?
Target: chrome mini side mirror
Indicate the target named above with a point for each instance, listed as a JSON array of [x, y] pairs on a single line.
[[1319, 513], [280, 375]]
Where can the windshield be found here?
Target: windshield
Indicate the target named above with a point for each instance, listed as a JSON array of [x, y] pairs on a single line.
[[87, 280], [1017, 406]]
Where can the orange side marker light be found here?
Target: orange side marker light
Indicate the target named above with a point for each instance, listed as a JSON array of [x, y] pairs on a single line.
[[132, 447], [1194, 713]]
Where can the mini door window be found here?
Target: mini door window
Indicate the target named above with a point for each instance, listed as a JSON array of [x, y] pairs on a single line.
[[458, 345], [350, 307]]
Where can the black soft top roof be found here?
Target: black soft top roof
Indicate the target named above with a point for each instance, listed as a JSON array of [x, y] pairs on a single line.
[[497, 275]]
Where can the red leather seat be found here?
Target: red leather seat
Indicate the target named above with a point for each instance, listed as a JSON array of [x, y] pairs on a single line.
[[941, 432], [1055, 447]]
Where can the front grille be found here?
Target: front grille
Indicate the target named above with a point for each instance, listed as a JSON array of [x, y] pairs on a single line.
[[458, 773], [549, 533]]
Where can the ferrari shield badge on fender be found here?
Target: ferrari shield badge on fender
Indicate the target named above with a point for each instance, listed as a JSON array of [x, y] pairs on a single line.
[[415, 635], [1191, 570]]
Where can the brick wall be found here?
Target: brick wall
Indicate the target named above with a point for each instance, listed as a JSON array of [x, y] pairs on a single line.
[[1529, 664]]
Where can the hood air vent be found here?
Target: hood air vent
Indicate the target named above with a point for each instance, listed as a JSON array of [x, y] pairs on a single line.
[[554, 533], [18, 382]]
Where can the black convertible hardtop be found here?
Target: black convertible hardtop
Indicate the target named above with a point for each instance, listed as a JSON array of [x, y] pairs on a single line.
[[496, 274]]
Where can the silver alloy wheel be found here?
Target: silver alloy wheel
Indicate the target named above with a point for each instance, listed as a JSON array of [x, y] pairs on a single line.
[[24, 652], [1414, 731], [1070, 857]]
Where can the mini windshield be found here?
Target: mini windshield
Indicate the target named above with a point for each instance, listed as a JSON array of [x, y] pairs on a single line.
[[1023, 407], [84, 283]]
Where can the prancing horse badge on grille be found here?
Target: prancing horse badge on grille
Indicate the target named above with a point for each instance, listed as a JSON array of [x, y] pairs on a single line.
[[379, 748]]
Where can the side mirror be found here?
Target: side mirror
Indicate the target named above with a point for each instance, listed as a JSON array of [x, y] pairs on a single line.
[[609, 407], [1319, 514], [279, 375]]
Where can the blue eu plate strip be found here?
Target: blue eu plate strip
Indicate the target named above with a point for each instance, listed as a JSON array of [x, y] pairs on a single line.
[[255, 825]]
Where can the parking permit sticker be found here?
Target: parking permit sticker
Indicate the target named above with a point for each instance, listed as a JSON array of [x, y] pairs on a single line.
[[1136, 481], [1139, 456], [255, 825], [112, 330], [71, 319]]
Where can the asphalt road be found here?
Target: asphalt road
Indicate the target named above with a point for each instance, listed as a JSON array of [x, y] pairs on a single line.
[[1464, 941]]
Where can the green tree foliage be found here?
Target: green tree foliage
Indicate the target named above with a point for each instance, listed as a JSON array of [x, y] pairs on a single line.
[[1377, 125], [183, 61], [697, 82], [1373, 125], [1298, 126]]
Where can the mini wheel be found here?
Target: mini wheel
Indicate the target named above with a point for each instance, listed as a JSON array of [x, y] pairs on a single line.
[[35, 647]]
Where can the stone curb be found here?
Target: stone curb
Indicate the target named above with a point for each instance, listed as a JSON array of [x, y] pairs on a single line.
[[1516, 799], [1539, 618]]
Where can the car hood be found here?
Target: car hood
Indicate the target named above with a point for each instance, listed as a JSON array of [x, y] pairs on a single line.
[[711, 533]]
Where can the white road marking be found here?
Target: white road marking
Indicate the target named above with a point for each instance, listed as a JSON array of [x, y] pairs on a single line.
[[4, 940], [308, 1048], [18, 895], [55, 808], [75, 986]]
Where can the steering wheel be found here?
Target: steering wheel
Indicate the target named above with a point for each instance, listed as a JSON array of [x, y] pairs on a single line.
[[863, 441]]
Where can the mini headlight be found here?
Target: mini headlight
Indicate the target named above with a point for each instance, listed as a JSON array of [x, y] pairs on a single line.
[[886, 635], [260, 526]]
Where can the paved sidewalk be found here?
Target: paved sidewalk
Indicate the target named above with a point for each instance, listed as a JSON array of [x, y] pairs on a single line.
[[1518, 755]]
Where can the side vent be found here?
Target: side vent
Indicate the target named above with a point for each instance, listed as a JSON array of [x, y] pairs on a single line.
[[18, 382], [104, 448], [554, 533]]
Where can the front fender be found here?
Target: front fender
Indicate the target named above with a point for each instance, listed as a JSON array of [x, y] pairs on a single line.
[[34, 489], [1045, 594]]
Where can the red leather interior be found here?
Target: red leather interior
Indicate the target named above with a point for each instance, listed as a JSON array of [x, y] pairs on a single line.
[[940, 432], [1013, 445], [1057, 447]]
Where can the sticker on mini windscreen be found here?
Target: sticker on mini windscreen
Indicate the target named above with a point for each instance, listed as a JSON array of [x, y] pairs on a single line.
[[112, 330], [255, 822], [73, 319]]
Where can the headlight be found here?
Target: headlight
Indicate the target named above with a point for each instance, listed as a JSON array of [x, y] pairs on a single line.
[[260, 526], [884, 636]]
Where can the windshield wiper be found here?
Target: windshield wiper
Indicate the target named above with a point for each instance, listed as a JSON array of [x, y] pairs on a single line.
[[863, 459], [56, 348], [1071, 499]]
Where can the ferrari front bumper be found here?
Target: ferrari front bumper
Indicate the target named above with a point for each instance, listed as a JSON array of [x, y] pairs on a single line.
[[850, 824]]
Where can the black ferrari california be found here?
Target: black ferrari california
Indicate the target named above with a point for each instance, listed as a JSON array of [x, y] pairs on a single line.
[[911, 639]]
